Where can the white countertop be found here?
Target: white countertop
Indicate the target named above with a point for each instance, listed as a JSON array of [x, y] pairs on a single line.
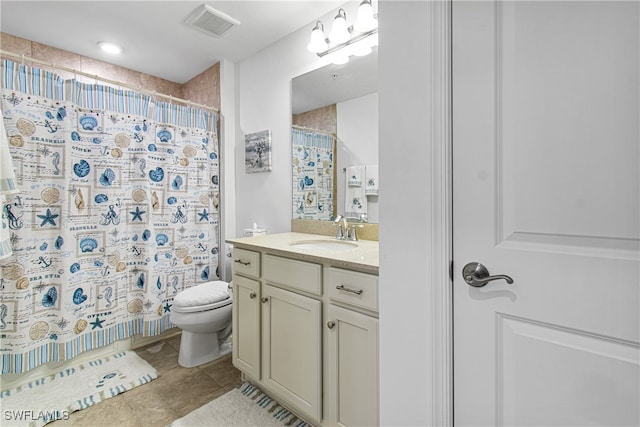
[[363, 257]]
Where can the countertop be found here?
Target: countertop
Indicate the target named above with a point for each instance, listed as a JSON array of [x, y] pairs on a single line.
[[364, 257]]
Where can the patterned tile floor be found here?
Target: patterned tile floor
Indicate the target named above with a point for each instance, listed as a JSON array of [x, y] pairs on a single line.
[[176, 392]]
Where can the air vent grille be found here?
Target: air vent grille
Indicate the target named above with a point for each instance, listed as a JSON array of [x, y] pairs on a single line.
[[210, 21]]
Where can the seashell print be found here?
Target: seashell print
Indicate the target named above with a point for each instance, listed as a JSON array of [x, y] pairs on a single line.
[[159, 311], [135, 238], [176, 184], [44, 246], [204, 199], [296, 161], [50, 195], [116, 153], [78, 296], [184, 161], [61, 114], [140, 281], [98, 263], [164, 136], [82, 168], [213, 156], [16, 141], [12, 271], [172, 200], [78, 200], [170, 151], [96, 140], [120, 267], [88, 122], [22, 283], [188, 259], [80, 326], [75, 136], [107, 177], [189, 151], [49, 299], [182, 252], [26, 127], [88, 244], [75, 267], [156, 174], [113, 258], [59, 242], [101, 198], [155, 202], [215, 180], [135, 306], [139, 195], [161, 239], [38, 330], [216, 200], [205, 274], [122, 140], [146, 234], [152, 148]]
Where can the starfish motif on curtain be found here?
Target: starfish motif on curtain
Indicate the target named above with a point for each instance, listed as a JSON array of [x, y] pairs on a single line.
[[137, 214], [97, 323], [204, 215], [48, 218]]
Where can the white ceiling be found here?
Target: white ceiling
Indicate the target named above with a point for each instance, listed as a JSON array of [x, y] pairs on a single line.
[[155, 39]]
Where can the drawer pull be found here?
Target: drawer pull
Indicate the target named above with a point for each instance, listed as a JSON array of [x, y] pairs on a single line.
[[330, 325], [264, 299], [242, 262], [252, 295], [354, 291]]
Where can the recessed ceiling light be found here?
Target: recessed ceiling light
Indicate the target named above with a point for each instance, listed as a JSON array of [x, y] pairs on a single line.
[[110, 47]]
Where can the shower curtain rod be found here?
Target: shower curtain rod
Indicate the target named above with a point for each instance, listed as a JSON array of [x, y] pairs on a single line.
[[103, 79], [314, 130]]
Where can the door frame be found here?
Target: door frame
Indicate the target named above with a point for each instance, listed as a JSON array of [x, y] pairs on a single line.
[[441, 302]]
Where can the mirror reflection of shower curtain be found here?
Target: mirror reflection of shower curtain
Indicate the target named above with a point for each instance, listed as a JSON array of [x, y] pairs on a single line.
[[313, 174], [117, 212]]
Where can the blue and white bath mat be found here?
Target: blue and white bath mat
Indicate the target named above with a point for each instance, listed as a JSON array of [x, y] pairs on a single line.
[[54, 397]]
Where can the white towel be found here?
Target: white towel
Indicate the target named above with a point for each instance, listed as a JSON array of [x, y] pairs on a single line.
[[7, 186], [355, 203], [371, 180]]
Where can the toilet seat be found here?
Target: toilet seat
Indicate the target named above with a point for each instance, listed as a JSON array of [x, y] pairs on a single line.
[[203, 297]]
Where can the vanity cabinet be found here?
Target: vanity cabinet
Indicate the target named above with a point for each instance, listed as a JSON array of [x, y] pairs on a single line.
[[306, 332]]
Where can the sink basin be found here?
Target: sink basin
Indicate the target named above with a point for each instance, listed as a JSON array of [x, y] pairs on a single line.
[[325, 245]]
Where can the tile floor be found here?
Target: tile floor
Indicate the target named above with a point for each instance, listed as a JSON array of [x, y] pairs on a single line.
[[176, 392]]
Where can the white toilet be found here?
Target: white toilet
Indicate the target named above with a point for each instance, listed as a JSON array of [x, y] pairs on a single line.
[[203, 312]]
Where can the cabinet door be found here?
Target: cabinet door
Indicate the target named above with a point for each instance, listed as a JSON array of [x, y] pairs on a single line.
[[352, 368], [291, 358], [246, 326]]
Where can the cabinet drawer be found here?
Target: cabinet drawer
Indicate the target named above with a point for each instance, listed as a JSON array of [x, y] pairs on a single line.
[[354, 288], [305, 276], [246, 262]]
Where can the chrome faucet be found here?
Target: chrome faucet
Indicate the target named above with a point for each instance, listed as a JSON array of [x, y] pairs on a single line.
[[342, 232]]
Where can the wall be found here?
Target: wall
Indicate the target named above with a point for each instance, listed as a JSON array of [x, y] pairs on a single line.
[[357, 143]]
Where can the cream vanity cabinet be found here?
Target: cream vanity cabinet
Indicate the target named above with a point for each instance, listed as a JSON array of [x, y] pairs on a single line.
[[307, 333]]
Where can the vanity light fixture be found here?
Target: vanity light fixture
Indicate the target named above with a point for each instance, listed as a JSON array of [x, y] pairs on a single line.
[[344, 41], [110, 47]]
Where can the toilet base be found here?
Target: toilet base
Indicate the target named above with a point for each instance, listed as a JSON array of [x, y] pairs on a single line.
[[200, 348]]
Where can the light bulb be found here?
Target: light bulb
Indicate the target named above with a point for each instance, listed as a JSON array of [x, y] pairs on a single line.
[[365, 21], [339, 31], [110, 47], [317, 43]]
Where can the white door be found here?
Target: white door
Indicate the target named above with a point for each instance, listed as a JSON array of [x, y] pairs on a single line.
[[546, 190]]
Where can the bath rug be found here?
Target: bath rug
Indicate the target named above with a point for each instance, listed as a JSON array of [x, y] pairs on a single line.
[[54, 397], [245, 405]]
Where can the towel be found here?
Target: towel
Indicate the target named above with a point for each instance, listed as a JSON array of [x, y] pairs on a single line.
[[7, 186], [371, 180], [355, 203]]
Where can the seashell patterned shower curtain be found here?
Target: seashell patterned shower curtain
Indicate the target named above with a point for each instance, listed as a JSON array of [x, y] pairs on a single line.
[[117, 212]]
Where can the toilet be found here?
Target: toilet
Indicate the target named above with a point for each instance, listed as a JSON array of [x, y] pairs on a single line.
[[203, 312]]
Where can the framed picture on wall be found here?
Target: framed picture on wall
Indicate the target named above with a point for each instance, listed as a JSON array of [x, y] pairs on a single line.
[[257, 152]]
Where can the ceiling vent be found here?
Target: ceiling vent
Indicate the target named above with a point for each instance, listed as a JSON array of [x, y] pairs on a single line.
[[210, 21]]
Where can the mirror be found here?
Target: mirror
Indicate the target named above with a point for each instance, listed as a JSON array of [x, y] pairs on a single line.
[[335, 141]]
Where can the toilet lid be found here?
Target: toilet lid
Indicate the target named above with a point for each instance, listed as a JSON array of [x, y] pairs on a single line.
[[202, 295]]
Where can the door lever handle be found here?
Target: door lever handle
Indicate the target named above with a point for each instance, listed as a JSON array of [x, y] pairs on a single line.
[[477, 275]]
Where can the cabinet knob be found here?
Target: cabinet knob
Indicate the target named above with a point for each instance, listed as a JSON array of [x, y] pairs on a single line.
[[252, 295], [330, 325], [264, 299]]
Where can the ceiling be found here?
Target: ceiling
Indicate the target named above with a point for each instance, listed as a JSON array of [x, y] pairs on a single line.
[[153, 34]]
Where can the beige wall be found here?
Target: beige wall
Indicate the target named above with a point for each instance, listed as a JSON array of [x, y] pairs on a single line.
[[324, 118], [202, 89]]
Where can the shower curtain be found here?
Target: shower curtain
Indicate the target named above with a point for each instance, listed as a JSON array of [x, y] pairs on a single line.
[[313, 174], [117, 212]]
